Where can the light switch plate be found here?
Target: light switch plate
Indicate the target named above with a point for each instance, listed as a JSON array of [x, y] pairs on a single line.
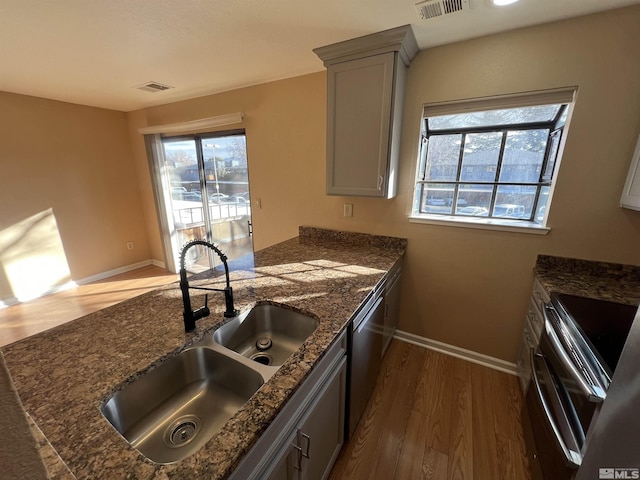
[[348, 209]]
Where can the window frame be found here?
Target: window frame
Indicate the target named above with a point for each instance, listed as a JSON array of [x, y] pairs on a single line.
[[556, 126]]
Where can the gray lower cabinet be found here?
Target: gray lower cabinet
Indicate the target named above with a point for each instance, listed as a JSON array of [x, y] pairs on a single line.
[[321, 433], [283, 467], [304, 440], [311, 451]]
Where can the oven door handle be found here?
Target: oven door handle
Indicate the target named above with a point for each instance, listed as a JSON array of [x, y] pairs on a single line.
[[594, 393], [573, 458]]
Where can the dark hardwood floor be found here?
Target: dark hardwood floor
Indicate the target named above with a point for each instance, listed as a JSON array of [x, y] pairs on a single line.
[[434, 416]]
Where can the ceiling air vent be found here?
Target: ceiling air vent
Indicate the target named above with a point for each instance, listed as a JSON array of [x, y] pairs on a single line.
[[438, 8], [153, 87]]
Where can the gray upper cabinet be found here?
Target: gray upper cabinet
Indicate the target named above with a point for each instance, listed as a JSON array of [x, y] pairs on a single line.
[[365, 92], [631, 194]]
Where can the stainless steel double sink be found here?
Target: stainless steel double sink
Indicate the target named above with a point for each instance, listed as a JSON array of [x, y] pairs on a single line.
[[172, 410]]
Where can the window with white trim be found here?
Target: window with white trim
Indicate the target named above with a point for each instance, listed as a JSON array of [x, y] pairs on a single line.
[[491, 160]]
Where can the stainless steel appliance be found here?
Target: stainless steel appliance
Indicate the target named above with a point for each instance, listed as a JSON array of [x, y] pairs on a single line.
[[572, 368], [613, 439], [365, 352]]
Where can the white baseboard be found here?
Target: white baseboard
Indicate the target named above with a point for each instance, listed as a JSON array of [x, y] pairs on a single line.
[[158, 263], [118, 271], [7, 302], [469, 355]]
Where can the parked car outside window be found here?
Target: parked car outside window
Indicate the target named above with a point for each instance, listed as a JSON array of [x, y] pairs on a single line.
[[218, 198], [507, 210], [474, 211]]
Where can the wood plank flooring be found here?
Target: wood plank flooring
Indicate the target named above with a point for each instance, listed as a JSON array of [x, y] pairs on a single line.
[[28, 318], [433, 416]]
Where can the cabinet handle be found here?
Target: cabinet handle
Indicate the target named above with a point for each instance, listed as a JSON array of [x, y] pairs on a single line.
[[298, 464], [305, 454], [380, 182], [588, 387], [574, 459]]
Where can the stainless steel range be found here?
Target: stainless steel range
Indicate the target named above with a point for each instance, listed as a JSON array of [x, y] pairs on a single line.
[[572, 369]]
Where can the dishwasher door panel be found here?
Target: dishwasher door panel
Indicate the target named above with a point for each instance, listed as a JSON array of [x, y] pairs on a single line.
[[366, 350]]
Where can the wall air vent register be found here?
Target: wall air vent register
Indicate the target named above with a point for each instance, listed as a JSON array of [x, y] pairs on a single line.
[[438, 8], [153, 87]]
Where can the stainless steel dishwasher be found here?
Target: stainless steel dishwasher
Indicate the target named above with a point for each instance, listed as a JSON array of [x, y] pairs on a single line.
[[365, 352]]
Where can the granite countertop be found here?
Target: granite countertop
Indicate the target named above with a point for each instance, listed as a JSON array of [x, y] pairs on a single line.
[[63, 375], [604, 281], [17, 443]]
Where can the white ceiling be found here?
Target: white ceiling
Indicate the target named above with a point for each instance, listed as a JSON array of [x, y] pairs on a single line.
[[93, 52]]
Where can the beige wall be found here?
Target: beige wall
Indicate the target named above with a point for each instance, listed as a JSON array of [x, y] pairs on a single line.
[[474, 285], [464, 287], [76, 163], [284, 123]]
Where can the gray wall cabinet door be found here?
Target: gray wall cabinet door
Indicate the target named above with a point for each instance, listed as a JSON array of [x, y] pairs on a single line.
[[631, 194], [366, 77], [359, 125]]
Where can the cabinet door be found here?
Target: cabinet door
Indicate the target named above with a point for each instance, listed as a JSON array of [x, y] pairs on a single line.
[[359, 112], [631, 194], [392, 307], [284, 466], [321, 431]]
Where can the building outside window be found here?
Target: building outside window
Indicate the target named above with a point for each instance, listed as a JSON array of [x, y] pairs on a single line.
[[491, 161]]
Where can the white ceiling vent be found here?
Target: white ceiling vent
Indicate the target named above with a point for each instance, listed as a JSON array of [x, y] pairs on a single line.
[[153, 87], [438, 8]]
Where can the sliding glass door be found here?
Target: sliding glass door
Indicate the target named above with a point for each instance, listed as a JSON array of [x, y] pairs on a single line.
[[208, 179]]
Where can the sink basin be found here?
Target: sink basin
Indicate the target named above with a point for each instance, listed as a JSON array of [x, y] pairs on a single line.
[[171, 411], [267, 334]]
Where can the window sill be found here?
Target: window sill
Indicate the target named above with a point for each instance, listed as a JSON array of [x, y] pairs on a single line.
[[516, 226]]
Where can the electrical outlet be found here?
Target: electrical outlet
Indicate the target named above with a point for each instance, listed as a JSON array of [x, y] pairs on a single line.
[[129, 245], [348, 209]]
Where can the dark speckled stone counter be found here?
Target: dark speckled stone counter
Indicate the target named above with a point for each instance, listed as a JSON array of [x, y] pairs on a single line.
[[604, 281], [63, 375]]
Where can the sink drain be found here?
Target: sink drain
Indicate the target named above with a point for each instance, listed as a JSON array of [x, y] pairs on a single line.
[[263, 358], [264, 343], [182, 431]]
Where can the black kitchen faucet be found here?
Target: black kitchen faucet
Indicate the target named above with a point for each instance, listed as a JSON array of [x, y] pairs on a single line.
[[190, 316]]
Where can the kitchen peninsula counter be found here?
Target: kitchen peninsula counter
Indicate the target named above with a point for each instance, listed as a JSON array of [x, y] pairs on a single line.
[[65, 374]]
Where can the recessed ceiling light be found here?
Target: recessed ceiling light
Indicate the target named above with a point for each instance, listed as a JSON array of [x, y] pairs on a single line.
[[501, 3]]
